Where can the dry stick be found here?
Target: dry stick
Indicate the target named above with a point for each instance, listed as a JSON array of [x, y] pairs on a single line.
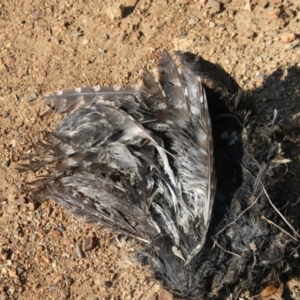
[[239, 215], [272, 223], [237, 255], [280, 214]]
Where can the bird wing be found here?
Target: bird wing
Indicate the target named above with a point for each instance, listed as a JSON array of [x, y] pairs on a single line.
[[139, 161]]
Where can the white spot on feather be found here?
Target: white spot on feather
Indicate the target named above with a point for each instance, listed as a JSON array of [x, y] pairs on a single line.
[[177, 253], [69, 150], [99, 98], [178, 103], [71, 162], [194, 110], [186, 92], [177, 82], [135, 130], [78, 90], [161, 106], [97, 88]]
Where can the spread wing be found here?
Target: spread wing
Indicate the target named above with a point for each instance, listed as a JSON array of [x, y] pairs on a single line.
[[139, 161]]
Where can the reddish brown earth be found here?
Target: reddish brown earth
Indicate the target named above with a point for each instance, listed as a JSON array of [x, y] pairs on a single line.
[[52, 45]]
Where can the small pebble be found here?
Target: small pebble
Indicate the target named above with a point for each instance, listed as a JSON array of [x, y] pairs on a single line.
[[269, 43], [133, 282], [261, 76], [12, 290], [55, 233], [248, 6], [274, 14], [193, 21], [22, 71], [13, 143], [32, 97], [108, 283], [9, 262], [78, 32], [293, 44], [12, 273], [31, 206], [85, 42], [78, 251], [211, 24], [46, 259], [5, 163], [69, 281], [249, 33], [105, 37], [40, 248], [20, 271], [37, 14], [288, 37], [102, 51], [3, 241], [184, 33], [88, 244], [57, 279], [67, 255], [61, 229], [116, 11], [259, 59], [205, 14], [38, 213], [3, 254], [213, 6], [52, 288], [15, 158]]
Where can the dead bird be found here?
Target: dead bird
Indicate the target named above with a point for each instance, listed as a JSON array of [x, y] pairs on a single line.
[[182, 164]]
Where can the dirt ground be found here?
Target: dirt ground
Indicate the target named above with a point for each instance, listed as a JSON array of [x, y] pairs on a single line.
[[52, 45]]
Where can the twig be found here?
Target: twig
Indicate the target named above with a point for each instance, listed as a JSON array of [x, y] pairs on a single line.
[[272, 223], [280, 214], [229, 224], [237, 255]]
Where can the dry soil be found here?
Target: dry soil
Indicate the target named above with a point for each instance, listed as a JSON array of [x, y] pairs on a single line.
[[52, 45]]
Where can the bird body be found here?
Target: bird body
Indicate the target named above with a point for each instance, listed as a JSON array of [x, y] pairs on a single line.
[[172, 164]]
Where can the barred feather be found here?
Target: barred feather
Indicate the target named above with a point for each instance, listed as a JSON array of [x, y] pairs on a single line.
[[104, 139]]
